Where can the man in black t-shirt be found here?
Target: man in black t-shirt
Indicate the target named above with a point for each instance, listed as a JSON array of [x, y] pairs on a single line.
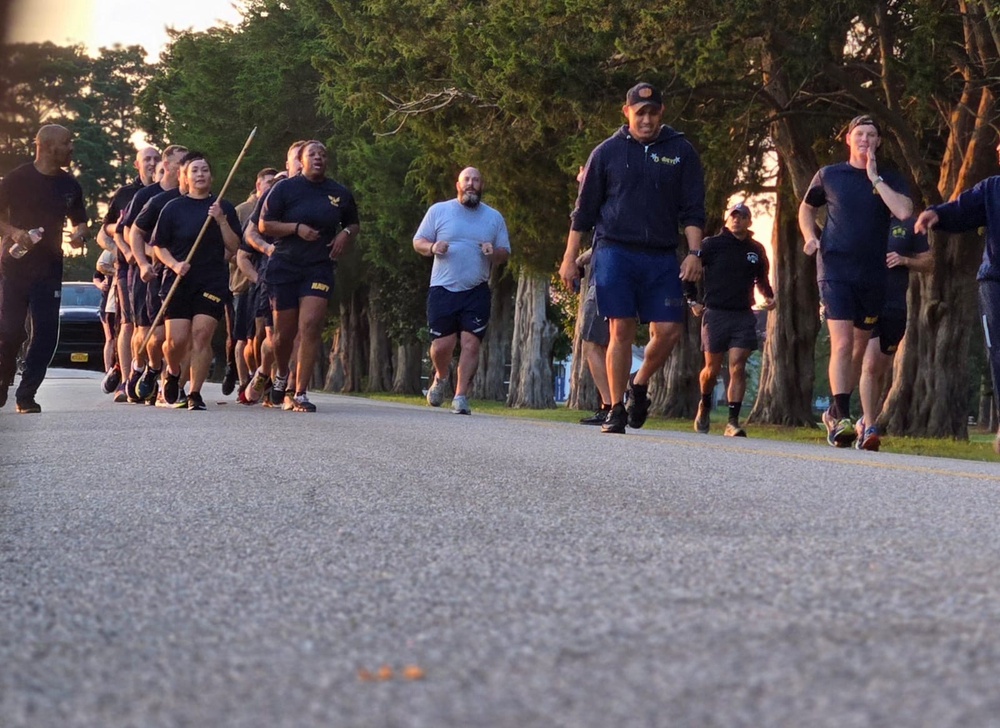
[[36, 196], [733, 263], [145, 163], [850, 267], [193, 312]]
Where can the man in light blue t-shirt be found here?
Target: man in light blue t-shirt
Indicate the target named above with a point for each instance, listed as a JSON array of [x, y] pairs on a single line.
[[466, 238]]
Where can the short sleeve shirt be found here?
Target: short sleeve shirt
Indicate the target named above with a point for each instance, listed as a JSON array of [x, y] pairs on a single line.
[[178, 227], [326, 205], [464, 266], [29, 200], [854, 241]]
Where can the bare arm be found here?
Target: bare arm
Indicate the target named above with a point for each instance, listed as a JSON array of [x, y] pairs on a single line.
[[430, 248], [245, 266], [568, 270], [691, 265], [807, 226], [921, 262], [256, 241]]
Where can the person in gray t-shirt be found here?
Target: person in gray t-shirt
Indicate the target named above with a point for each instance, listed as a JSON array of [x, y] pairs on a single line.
[[465, 237]]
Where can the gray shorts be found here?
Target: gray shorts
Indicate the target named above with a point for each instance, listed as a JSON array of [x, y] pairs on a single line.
[[725, 330], [595, 328]]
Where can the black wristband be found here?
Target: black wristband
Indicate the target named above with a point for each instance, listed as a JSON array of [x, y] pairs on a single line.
[[297, 229]]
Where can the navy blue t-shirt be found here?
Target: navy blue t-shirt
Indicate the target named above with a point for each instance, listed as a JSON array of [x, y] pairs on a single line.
[[178, 227], [853, 245], [30, 199], [326, 206], [116, 212], [146, 219], [902, 240]]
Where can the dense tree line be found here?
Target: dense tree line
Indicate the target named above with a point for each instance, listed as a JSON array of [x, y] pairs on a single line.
[[409, 92]]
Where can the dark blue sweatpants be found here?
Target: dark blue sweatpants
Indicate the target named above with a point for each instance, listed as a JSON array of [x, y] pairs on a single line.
[[19, 297]]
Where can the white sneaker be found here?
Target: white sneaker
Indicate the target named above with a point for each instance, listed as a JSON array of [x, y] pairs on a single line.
[[460, 406]]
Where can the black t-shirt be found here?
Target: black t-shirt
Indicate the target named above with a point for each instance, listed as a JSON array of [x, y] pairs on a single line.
[[326, 206], [146, 218], [116, 209], [732, 268], [30, 199], [852, 247], [902, 240], [178, 227], [138, 202]]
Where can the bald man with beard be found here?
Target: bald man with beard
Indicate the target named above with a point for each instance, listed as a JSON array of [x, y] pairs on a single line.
[[36, 195], [466, 238]]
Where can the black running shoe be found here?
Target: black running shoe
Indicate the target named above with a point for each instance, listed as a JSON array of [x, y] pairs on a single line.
[[616, 420], [28, 406], [147, 383], [131, 386], [229, 381], [195, 402], [302, 403], [638, 403], [111, 380], [597, 418], [171, 388], [278, 387]]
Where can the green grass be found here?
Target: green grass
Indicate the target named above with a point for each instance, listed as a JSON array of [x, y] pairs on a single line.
[[978, 447]]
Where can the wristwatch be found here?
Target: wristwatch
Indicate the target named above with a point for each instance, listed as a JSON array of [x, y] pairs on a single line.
[[695, 253]]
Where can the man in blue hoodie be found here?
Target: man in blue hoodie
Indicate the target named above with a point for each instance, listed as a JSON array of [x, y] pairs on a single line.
[[978, 207], [640, 188]]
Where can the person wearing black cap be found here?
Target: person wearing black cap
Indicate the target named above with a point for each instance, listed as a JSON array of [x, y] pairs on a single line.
[[850, 267], [640, 188], [734, 263]]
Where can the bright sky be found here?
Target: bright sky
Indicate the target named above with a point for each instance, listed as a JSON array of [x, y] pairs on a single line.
[[97, 23]]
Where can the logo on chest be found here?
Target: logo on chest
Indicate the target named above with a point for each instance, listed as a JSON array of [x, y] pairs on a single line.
[[657, 159], [334, 201], [753, 258]]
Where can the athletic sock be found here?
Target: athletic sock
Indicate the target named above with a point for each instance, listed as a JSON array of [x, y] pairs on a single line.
[[841, 405], [734, 412], [706, 400]]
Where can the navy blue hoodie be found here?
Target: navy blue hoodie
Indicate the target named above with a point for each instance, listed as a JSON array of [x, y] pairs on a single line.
[[974, 208], [641, 195]]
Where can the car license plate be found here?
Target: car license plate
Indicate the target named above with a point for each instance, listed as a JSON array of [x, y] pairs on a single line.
[[79, 358]]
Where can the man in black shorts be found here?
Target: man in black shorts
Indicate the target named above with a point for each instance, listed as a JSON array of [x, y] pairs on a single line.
[[850, 267], [37, 196], [146, 160], [733, 263], [196, 307], [465, 237], [908, 251]]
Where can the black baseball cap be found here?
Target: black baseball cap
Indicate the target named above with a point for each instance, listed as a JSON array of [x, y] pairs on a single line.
[[741, 209], [864, 120], [643, 93]]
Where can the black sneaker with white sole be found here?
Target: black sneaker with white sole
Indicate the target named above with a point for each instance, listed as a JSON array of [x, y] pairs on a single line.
[[195, 402], [616, 420]]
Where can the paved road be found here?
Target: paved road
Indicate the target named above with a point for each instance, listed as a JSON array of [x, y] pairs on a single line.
[[246, 567]]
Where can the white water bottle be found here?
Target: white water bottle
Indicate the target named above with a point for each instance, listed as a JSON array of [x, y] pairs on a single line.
[[17, 250]]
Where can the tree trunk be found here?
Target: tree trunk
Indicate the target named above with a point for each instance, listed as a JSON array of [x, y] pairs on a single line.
[[583, 394], [787, 374], [408, 366], [787, 366], [494, 354], [929, 397], [380, 376], [531, 382], [349, 351]]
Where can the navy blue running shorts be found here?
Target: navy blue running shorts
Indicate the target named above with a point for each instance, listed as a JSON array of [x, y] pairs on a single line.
[[639, 284], [889, 330], [449, 312], [192, 300], [860, 303]]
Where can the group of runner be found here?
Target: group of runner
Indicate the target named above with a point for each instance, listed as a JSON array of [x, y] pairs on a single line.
[[266, 267]]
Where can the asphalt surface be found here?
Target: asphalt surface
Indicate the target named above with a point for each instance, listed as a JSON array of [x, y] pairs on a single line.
[[249, 567]]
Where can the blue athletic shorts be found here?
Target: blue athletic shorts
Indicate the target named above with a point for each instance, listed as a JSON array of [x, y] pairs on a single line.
[[860, 303], [449, 312], [638, 284]]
